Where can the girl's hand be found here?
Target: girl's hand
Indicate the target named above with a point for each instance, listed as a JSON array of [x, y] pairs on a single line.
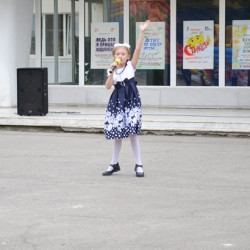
[[114, 63], [139, 43], [144, 25]]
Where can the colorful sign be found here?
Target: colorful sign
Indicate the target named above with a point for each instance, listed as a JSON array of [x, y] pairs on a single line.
[[241, 44], [198, 44], [153, 50], [103, 38]]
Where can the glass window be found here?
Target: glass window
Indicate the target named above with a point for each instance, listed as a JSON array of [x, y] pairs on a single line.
[[156, 11], [74, 43], [32, 58], [33, 38], [49, 29], [64, 68], [65, 62], [68, 35], [197, 43], [47, 39], [98, 13], [49, 34], [61, 33], [237, 61]]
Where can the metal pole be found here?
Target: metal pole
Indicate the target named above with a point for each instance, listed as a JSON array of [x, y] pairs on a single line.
[[73, 40]]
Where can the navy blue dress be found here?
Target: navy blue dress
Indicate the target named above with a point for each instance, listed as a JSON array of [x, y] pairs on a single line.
[[123, 114]]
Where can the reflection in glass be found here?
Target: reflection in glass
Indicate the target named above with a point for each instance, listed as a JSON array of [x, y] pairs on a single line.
[[237, 61], [197, 11], [64, 36], [49, 27], [64, 68], [32, 59], [48, 60], [99, 11], [33, 38], [155, 11]]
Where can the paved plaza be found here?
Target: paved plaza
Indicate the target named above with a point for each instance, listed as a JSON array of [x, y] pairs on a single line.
[[195, 194]]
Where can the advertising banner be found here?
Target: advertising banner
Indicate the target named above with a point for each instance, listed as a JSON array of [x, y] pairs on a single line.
[[198, 44], [103, 38], [241, 44], [153, 50]]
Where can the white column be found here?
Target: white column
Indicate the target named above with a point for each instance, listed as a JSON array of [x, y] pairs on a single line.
[[15, 33]]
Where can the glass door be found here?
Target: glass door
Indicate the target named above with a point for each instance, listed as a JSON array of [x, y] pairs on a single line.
[[237, 43], [154, 64], [103, 27], [60, 35], [197, 43]]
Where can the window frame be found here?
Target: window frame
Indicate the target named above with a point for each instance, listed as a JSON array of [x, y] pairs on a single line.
[[222, 14]]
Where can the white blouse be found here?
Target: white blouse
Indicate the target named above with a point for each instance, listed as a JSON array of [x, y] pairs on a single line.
[[121, 74]]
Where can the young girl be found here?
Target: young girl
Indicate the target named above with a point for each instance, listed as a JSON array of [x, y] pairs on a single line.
[[123, 114]]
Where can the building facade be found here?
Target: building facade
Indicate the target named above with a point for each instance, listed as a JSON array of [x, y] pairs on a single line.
[[195, 53]]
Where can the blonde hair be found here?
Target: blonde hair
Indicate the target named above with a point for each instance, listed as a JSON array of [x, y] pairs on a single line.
[[114, 50]]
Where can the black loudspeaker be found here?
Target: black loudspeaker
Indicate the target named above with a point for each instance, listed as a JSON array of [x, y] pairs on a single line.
[[32, 91]]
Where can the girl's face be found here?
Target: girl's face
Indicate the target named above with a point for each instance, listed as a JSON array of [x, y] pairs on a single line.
[[123, 54]]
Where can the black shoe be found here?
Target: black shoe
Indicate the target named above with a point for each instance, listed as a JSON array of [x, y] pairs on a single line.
[[116, 168], [138, 174]]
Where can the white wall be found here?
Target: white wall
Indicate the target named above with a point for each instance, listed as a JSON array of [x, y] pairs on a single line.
[[15, 33], [178, 97]]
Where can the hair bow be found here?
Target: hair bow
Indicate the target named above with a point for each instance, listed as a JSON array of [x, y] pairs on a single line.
[[122, 45]]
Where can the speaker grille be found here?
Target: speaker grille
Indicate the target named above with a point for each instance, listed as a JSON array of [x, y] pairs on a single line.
[[32, 91]]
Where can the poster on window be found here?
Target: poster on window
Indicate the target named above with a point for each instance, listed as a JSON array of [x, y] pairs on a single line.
[[103, 38], [198, 44], [153, 50], [241, 44]]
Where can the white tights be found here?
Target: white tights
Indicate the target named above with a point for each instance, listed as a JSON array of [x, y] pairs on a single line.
[[135, 147]]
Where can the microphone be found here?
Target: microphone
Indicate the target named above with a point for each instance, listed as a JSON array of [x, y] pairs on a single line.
[[118, 61]]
